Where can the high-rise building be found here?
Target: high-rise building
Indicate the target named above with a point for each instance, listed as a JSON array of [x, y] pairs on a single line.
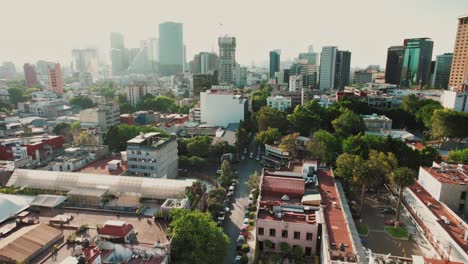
[[171, 48], [274, 62], [342, 68], [85, 60], [441, 76], [119, 55], [30, 75], [327, 67], [7, 70], [459, 72], [227, 59], [55, 79], [416, 67], [393, 66], [204, 62]]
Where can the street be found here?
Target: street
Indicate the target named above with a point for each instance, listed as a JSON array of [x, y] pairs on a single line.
[[233, 223]]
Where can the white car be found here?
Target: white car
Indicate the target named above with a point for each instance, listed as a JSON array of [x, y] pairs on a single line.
[[251, 197], [219, 171], [231, 188], [226, 209], [258, 158], [246, 221], [251, 155]]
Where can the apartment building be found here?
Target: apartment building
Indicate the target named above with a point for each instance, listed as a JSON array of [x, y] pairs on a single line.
[[376, 122], [102, 117], [279, 102], [219, 108]]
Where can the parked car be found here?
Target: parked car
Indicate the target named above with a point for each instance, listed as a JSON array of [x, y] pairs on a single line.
[[251, 197], [232, 188], [226, 209], [219, 171], [229, 194], [240, 241], [258, 158], [245, 151], [242, 157], [391, 222], [245, 231], [221, 216], [389, 211], [251, 155], [246, 221], [237, 260]]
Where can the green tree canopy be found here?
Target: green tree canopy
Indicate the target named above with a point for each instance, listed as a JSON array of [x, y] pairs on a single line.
[[288, 143], [199, 146], [458, 156], [82, 101], [403, 177], [86, 139], [161, 103], [270, 117], [349, 123], [227, 175], [449, 124], [307, 119], [424, 114], [324, 146], [215, 200], [381, 165], [268, 136], [64, 129], [254, 181], [16, 96], [196, 239]]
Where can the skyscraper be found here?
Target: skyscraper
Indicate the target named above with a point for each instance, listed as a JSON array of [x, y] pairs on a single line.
[[30, 75], [327, 67], [440, 78], [274, 62], [119, 56], [227, 58], [416, 67], [204, 62], [394, 62], [55, 79], [459, 73], [342, 68], [171, 48], [85, 60]]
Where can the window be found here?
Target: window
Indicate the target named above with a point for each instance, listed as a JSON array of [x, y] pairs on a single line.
[[260, 231], [308, 251], [309, 236], [272, 232], [463, 196], [297, 235], [461, 207], [284, 233]]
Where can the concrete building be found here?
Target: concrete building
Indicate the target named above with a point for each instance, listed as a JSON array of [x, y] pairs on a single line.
[[227, 59], [102, 117], [55, 79], [221, 108], [240, 75], [86, 79], [394, 63], [152, 155], [441, 75], [171, 48], [279, 102], [205, 62], [296, 83], [362, 77], [375, 122], [459, 70], [455, 100], [327, 67], [274, 62], [85, 60], [342, 69], [43, 107], [30, 75]]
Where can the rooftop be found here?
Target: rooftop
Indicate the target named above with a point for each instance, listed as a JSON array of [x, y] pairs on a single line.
[[100, 167], [449, 173]]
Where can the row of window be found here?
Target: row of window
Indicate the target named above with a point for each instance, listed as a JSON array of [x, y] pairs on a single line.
[[308, 250], [285, 233], [142, 160], [143, 167]]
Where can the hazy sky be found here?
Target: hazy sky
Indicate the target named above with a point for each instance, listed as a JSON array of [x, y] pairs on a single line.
[[50, 29]]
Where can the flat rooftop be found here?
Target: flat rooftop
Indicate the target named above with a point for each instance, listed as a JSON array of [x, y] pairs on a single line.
[[100, 167], [337, 227], [449, 174]]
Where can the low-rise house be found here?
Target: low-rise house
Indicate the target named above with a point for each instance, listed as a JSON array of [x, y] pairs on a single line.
[[117, 231], [376, 122]]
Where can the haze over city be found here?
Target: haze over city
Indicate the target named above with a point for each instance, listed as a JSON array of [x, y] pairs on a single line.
[[50, 29]]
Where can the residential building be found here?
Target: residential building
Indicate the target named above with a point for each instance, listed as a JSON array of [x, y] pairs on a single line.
[[279, 102], [171, 48], [30, 75], [459, 69], [275, 157], [38, 149], [127, 119], [362, 77], [376, 122], [274, 62], [342, 69], [327, 67], [86, 79], [296, 83], [7, 70], [136, 92], [219, 108], [282, 76], [298, 97], [240, 75], [55, 79], [152, 155], [195, 114], [416, 67], [454, 99], [394, 63], [85, 60], [309, 72], [441, 75], [227, 59], [102, 117], [43, 107]]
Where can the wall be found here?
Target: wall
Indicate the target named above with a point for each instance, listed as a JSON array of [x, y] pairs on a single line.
[[221, 109]]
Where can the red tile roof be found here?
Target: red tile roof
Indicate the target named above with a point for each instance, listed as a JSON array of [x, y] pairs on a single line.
[[151, 260], [452, 174], [439, 261], [115, 231], [281, 185]]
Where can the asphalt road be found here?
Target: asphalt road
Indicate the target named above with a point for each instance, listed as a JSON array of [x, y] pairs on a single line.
[[233, 223]]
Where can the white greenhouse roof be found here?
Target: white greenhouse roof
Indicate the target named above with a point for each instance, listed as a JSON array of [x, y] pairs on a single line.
[[48, 200], [145, 187], [11, 204]]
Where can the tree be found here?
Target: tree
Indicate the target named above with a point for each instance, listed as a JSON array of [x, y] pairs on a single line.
[[284, 248], [221, 148], [403, 177], [254, 181], [199, 146], [197, 162], [449, 124], [270, 117], [242, 137], [160, 104], [324, 146], [361, 176], [458, 156], [381, 165], [424, 114], [349, 123], [75, 126], [16, 96], [345, 166], [82, 102], [64, 129], [227, 175], [86, 139], [411, 103], [307, 119], [196, 238], [126, 108], [288, 143], [268, 136], [215, 200]]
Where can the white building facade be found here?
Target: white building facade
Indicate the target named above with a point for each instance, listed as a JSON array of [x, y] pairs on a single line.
[[221, 109], [295, 83], [457, 101], [279, 102]]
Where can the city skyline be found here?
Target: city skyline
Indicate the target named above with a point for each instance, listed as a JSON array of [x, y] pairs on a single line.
[[368, 32]]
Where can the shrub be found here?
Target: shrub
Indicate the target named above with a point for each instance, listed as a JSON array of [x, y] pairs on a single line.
[[245, 248], [251, 215], [268, 243], [244, 260], [253, 208], [251, 222]]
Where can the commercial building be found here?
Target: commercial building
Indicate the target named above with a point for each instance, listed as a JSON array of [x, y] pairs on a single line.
[[459, 71], [227, 59], [296, 83], [441, 75], [119, 55], [327, 67], [394, 62], [102, 117], [375, 122], [454, 99], [240, 75], [86, 79], [279, 102], [342, 69], [85, 60], [55, 79], [36, 149], [171, 48], [309, 72], [203, 82], [204, 62], [362, 77], [274, 62], [416, 67], [30, 75], [310, 56], [222, 108], [43, 107], [152, 155]]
